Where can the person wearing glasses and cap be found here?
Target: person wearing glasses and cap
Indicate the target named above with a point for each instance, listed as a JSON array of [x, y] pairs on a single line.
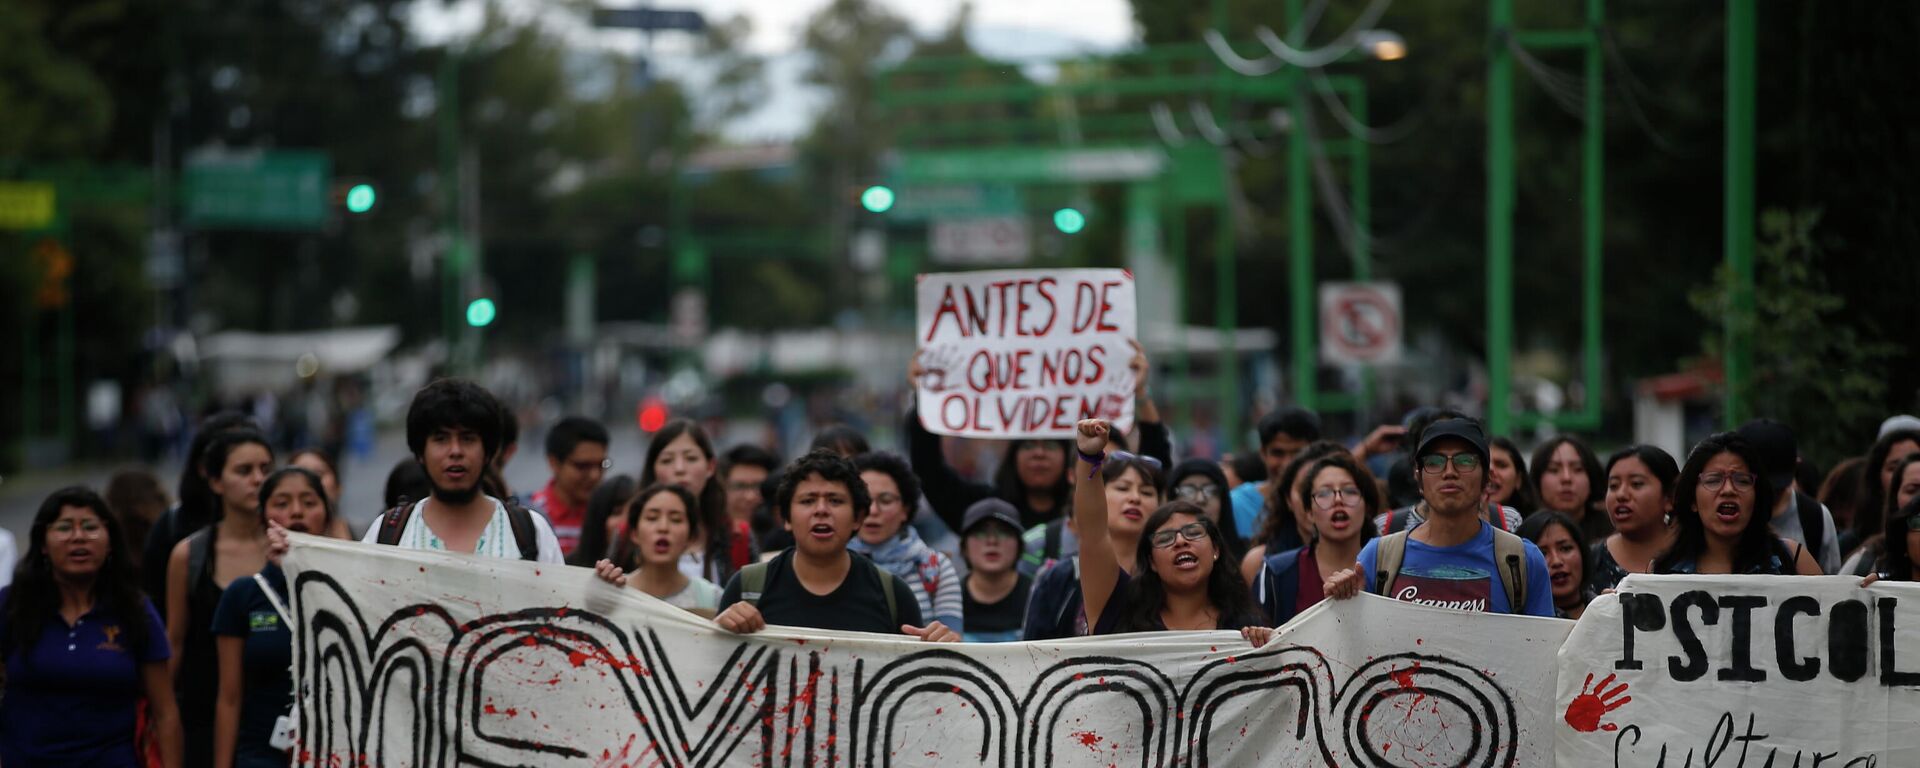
[[1721, 507], [1454, 558]]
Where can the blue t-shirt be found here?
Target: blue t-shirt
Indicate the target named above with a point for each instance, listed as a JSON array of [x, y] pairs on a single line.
[[1248, 503], [266, 663], [70, 698], [1464, 576]]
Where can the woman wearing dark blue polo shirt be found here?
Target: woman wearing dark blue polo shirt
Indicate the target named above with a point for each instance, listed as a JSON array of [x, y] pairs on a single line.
[[254, 642], [82, 646]]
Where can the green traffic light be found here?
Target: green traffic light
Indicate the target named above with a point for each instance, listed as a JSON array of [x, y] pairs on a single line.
[[1069, 220], [878, 198], [480, 313], [360, 198]]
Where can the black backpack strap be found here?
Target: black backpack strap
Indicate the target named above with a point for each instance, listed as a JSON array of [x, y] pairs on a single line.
[[520, 519], [199, 555], [1052, 549], [1813, 525], [392, 522]]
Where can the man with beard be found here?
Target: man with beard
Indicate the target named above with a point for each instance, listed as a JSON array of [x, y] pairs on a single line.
[[453, 429], [819, 583], [1454, 559]]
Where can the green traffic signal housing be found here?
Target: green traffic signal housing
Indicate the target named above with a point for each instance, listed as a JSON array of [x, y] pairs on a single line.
[[877, 199], [360, 198], [480, 313], [1069, 220]]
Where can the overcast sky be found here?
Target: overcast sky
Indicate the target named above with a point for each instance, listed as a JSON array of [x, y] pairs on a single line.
[[1000, 27]]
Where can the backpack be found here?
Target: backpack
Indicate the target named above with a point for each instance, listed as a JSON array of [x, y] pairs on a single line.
[[753, 580], [519, 519], [1507, 548], [1280, 578]]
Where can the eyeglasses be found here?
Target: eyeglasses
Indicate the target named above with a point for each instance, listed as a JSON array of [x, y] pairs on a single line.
[[1191, 532], [589, 466], [1125, 456], [83, 530], [1325, 498], [888, 499], [1435, 463], [1742, 481], [1199, 493], [742, 487]]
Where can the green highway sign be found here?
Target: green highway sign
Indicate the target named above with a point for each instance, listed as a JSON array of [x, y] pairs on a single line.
[[1012, 165], [256, 189], [956, 201]]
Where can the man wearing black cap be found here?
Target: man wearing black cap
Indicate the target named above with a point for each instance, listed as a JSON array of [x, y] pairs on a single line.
[[1454, 559], [995, 591], [1796, 515]]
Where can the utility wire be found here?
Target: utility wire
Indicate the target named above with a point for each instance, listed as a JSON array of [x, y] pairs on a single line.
[[1163, 124], [1284, 54], [1357, 129], [1629, 83]]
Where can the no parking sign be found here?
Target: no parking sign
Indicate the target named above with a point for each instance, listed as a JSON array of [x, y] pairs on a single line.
[[1360, 323]]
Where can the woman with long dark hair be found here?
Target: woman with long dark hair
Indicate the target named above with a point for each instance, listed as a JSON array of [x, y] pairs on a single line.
[[1722, 509], [1903, 487], [197, 506], [660, 522], [1640, 483], [1507, 477], [1876, 483], [254, 641], [82, 646], [682, 454], [1130, 486], [1902, 542], [1342, 499], [1283, 528], [1568, 478], [1176, 580], [1564, 545], [323, 466], [606, 524], [232, 547]]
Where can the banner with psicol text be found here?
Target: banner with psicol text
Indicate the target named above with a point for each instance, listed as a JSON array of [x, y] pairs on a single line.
[[1743, 672], [1025, 353], [409, 658]]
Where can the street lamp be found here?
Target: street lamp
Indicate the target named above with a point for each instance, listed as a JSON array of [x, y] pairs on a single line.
[[1382, 44]]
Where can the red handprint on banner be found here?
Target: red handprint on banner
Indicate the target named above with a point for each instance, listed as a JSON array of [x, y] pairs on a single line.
[[1594, 702], [938, 368]]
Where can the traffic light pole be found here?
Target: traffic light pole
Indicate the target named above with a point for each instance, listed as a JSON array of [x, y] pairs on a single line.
[[453, 258]]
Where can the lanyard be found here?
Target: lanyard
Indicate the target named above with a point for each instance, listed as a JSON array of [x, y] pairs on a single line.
[[274, 598]]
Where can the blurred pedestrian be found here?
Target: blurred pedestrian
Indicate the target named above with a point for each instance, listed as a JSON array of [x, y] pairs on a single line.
[[233, 546], [681, 453], [1284, 433], [1796, 515], [606, 524], [137, 500], [895, 546], [1512, 487], [661, 520], [1876, 481], [197, 506], [577, 458], [323, 465], [82, 647], [1564, 545], [995, 591], [254, 638], [1568, 478]]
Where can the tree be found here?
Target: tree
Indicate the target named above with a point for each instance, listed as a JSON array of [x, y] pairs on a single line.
[[1811, 371]]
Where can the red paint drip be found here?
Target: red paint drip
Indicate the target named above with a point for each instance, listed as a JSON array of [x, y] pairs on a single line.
[[1088, 739]]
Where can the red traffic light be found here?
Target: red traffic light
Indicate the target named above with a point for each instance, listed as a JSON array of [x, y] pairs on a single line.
[[652, 414]]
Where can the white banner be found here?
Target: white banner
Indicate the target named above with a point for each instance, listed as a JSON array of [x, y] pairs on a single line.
[[1025, 353], [410, 658], [1743, 672]]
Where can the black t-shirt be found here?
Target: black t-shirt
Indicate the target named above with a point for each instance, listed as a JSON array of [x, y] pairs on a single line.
[[1003, 616], [858, 605]]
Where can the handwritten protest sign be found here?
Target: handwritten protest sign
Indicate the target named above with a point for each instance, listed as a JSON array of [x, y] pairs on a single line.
[[1025, 353], [1743, 672], [413, 658]]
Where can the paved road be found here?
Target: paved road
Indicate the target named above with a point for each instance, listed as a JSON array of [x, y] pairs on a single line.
[[362, 480]]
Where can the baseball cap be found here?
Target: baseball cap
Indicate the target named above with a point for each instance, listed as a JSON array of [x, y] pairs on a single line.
[[1773, 446], [1463, 429], [990, 509]]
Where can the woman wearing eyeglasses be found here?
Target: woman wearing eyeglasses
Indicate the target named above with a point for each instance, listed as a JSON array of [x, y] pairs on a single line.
[[1341, 499], [1174, 579], [1720, 507], [1203, 482]]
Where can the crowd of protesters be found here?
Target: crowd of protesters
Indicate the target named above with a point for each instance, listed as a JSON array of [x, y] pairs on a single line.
[[135, 632]]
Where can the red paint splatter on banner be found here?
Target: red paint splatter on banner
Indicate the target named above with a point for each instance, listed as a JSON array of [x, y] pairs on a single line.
[[1405, 676], [1088, 739]]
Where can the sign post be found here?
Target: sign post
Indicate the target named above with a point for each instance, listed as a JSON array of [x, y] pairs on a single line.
[[1025, 353], [1360, 323]]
